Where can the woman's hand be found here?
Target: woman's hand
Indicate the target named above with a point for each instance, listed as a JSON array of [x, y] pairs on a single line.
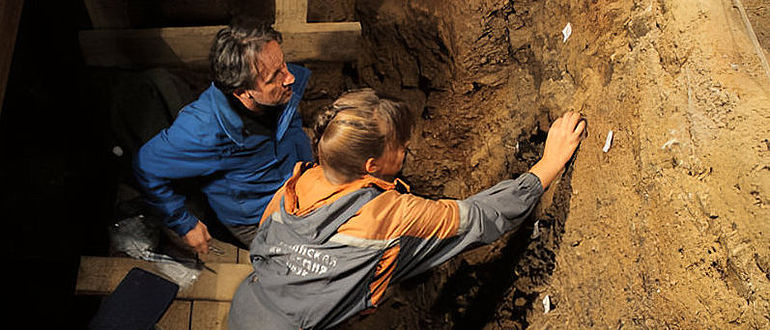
[[563, 138]]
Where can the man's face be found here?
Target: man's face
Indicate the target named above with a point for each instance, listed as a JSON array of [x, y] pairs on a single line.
[[273, 83]]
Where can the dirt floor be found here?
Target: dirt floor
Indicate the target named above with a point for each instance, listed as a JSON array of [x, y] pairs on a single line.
[[670, 228]]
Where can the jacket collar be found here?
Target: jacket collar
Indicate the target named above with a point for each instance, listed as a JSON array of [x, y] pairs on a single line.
[[317, 191], [232, 124]]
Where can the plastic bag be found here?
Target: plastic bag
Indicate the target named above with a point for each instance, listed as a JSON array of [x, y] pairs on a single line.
[[139, 236]]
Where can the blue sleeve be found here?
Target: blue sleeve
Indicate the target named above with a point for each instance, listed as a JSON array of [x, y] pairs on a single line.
[[182, 151]]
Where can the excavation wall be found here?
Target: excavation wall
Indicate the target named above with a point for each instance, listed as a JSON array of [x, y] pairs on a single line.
[[668, 228]]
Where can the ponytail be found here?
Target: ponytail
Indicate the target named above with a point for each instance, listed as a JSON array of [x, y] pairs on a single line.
[[323, 118], [359, 125]]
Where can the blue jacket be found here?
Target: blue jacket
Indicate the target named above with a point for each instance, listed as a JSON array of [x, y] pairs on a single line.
[[241, 173]]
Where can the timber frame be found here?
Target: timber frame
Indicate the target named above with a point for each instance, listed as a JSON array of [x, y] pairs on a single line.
[[113, 44]]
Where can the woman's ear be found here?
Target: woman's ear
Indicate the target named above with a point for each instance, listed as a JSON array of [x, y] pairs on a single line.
[[371, 166]]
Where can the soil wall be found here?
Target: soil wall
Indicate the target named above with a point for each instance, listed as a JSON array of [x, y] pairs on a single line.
[[669, 228]]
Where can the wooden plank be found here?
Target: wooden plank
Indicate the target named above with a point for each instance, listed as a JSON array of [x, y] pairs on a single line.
[[331, 42], [177, 316], [10, 15], [209, 315], [220, 286], [148, 47], [190, 46], [108, 14], [101, 275], [243, 257]]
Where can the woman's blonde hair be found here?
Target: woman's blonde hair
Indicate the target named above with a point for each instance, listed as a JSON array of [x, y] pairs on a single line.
[[360, 125]]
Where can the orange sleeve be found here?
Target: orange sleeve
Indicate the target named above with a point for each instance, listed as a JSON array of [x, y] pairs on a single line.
[[426, 218], [393, 214]]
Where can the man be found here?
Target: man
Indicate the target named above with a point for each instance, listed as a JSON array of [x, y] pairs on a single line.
[[240, 138]]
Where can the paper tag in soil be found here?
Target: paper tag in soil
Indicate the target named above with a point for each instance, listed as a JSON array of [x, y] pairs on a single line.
[[608, 143], [566, 32], [535, 230]]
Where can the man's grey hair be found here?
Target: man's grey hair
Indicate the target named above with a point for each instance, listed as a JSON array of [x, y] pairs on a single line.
[[233, 55]]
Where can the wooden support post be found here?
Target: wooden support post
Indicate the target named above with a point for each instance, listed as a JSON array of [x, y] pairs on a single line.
[[290, 13], [10, 14]]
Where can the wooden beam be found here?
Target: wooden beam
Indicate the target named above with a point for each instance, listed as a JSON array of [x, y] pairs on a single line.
[[331, 42], [190, 46], [177, 316], [10, 14], [101, 275], [209, 315], [148, 47]]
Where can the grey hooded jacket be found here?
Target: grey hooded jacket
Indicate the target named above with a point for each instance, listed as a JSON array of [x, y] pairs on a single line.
[[315, 266]]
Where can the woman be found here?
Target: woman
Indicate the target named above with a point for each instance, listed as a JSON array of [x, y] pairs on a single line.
[[338, 234]]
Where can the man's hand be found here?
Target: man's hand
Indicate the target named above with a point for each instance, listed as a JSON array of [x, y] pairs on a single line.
[[563, 138], [198, 238]]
